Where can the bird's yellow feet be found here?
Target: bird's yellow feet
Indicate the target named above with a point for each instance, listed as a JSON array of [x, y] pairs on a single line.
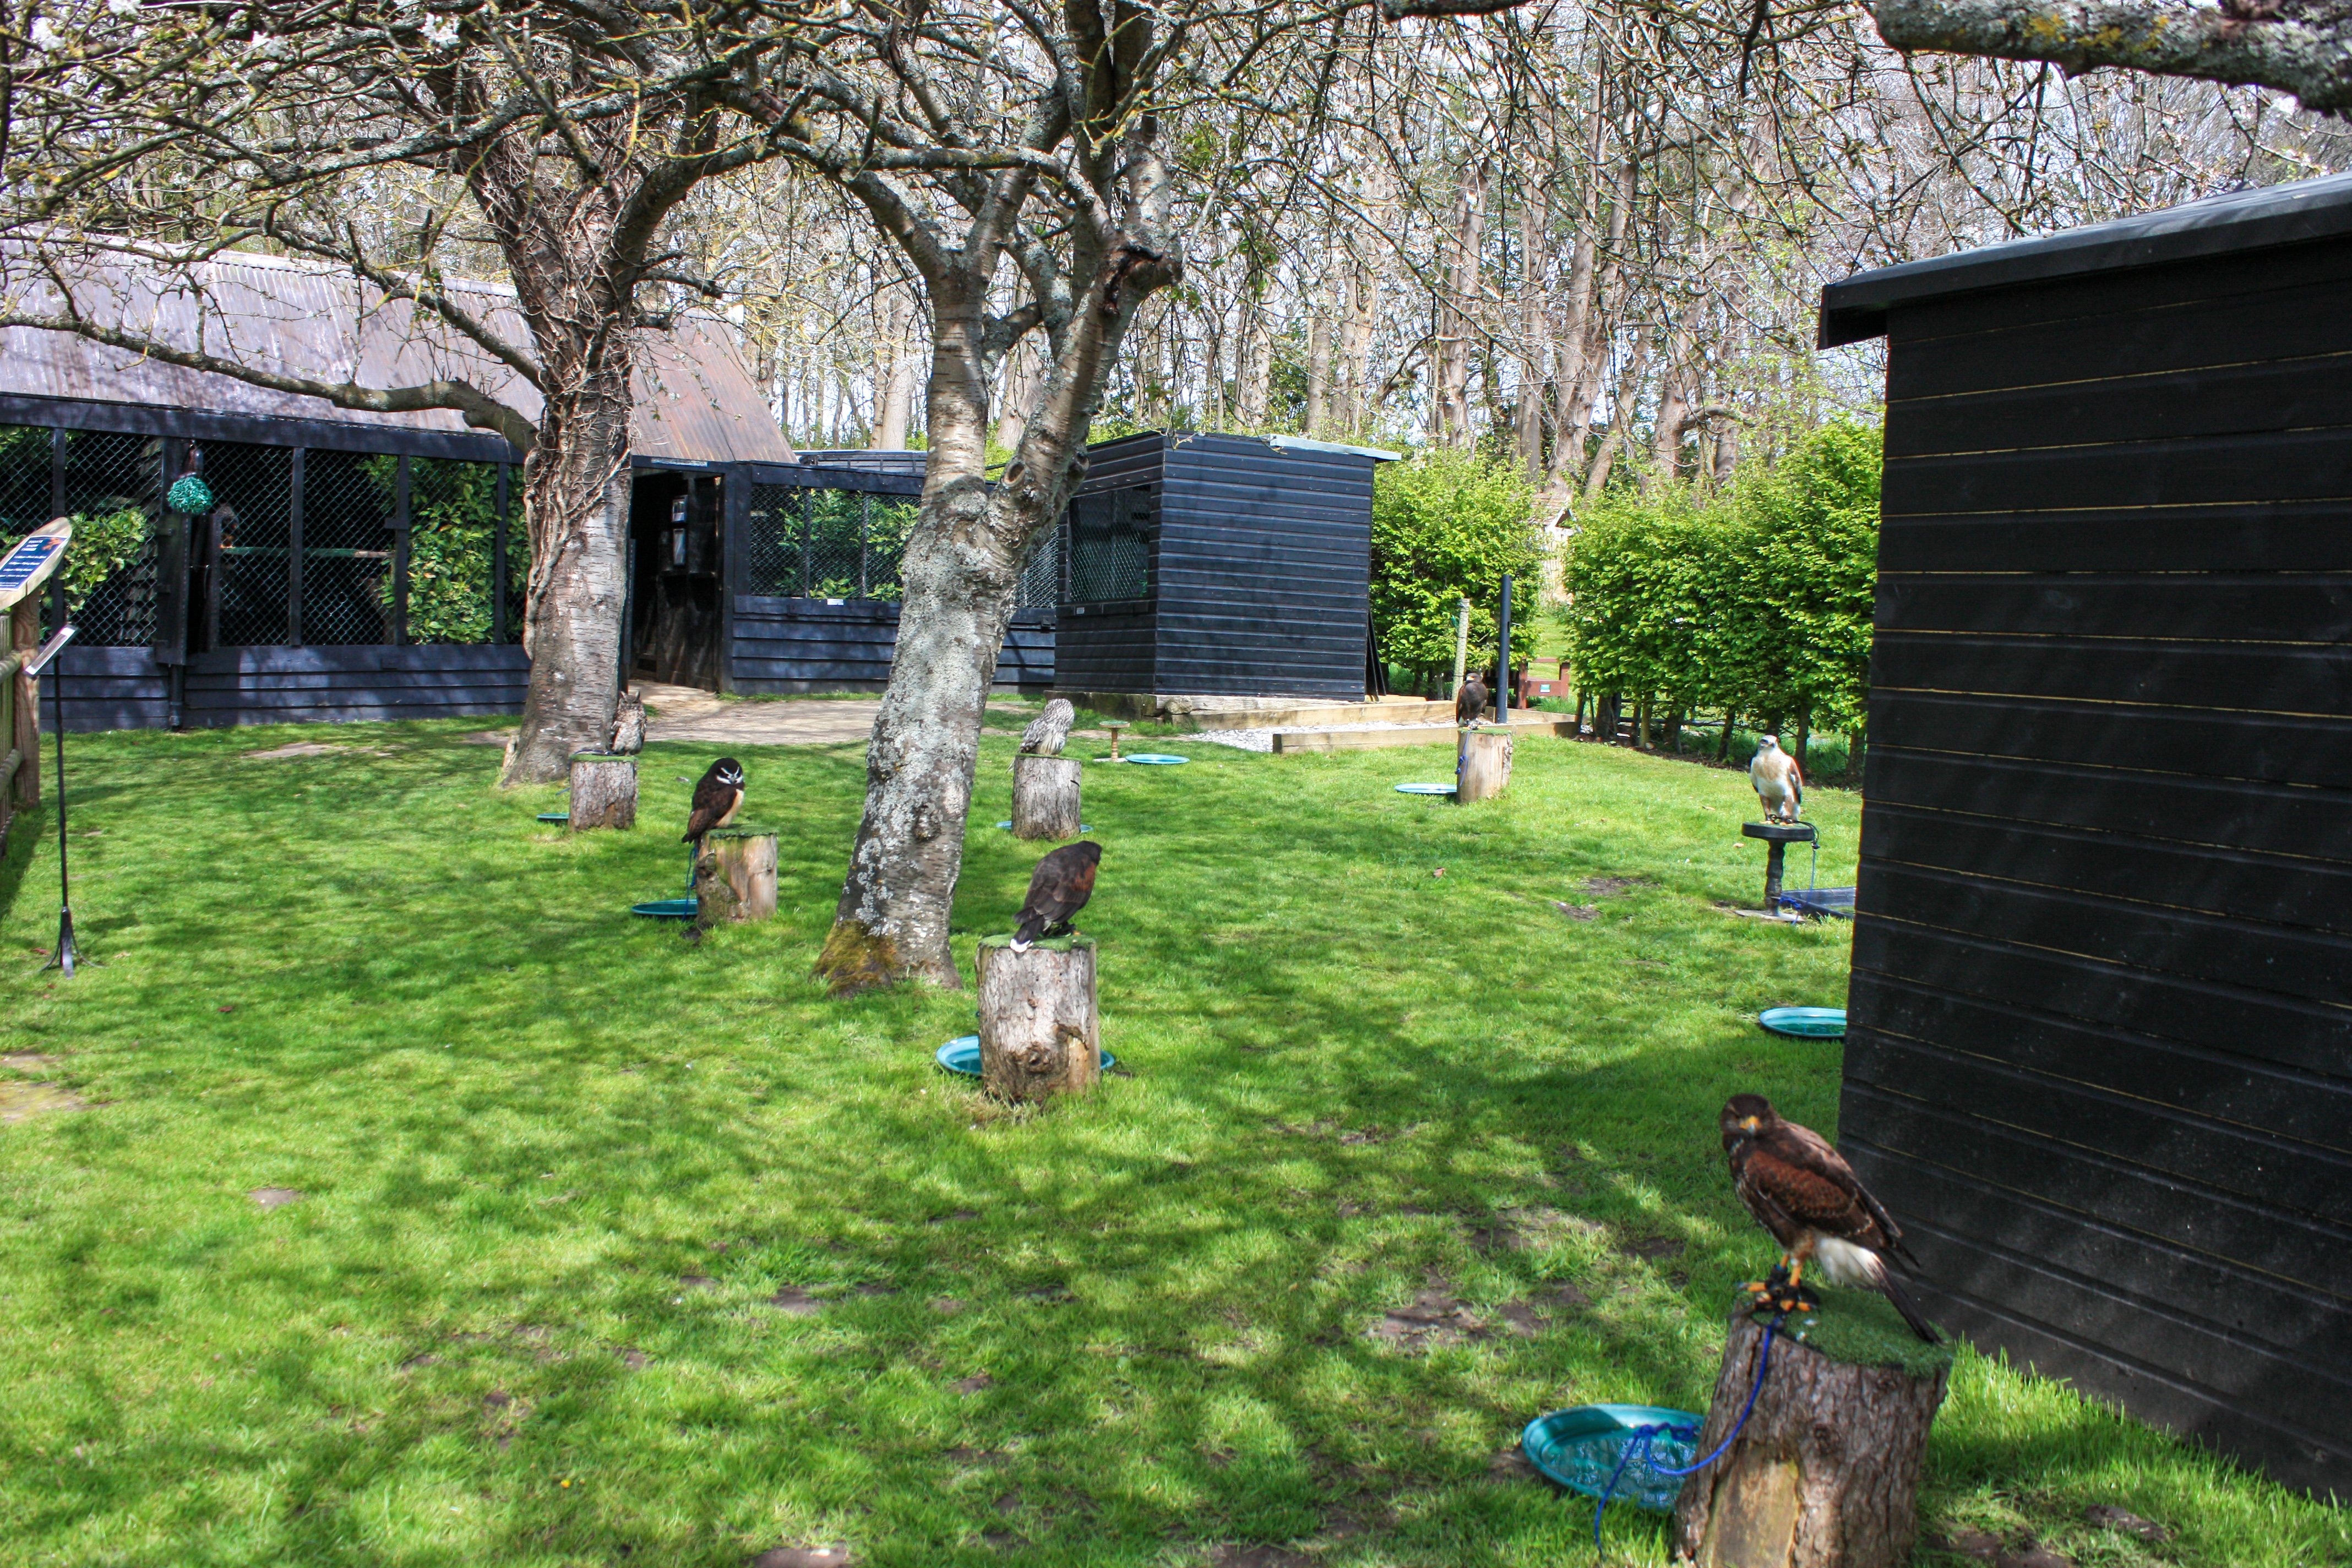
[[1782, 1294]]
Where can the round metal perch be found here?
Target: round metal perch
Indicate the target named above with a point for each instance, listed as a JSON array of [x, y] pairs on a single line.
[[1777, 836]]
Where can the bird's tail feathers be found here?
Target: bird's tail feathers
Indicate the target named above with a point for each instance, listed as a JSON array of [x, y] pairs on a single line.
[[1027, 933], [1911, 1315]]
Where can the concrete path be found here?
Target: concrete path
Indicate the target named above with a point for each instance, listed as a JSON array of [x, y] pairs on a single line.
[[683, 713]]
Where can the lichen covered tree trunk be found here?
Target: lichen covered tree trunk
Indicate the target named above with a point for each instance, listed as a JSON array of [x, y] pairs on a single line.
[[961, 570]]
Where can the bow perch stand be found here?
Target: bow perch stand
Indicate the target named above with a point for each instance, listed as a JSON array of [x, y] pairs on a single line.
[[1777, 836]]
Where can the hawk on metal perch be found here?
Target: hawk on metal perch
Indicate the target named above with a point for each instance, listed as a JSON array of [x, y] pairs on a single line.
[[716, 799], [1804, 1192], [1779, 787], [1045, 733], [1058, 888]]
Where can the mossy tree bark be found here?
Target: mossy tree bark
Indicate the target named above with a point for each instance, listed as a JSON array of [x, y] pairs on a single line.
[[1826, 1472]]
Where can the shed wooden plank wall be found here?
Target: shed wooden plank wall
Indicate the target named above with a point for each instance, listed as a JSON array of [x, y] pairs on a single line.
[[2100, 1058], [125, 688], [784, 646], [1114, 647], [1263, 570]]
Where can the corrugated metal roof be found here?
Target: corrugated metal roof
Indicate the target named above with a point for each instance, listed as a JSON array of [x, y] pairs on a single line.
[[695, 402], [1856, 308]]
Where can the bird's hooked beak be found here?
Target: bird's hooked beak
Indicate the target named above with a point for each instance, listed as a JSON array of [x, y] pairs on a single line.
[[1751, 1124]]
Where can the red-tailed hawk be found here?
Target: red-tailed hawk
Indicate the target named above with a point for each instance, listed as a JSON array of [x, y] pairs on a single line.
[[1470, 702], [1045, 733], [1804, 1192], [716, 799], [1058, 888], [1779, 786]]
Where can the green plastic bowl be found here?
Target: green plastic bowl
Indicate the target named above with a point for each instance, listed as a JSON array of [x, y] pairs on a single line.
[[961, 1054], [1424, 789], [667, 909], [1580, 1449]]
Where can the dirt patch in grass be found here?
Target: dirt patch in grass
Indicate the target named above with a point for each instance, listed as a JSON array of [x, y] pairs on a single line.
[[1433, 1317], [1610, 886], [22, 1102], [795, 1302]]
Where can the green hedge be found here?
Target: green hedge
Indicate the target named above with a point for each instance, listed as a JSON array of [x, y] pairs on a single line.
[[1756, 600], [1446, 525]]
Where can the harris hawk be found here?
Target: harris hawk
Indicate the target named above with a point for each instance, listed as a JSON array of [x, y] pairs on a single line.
[[1470, 702], [1803, 1192], [716, 799], [1058, 888], [1780, 783]]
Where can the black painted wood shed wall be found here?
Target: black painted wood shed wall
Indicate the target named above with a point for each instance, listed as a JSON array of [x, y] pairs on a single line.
[[2099, 1059], [1260, 571]]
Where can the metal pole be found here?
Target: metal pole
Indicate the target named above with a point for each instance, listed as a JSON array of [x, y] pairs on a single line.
[[1503, 669], [1461, 648], [64, 957]]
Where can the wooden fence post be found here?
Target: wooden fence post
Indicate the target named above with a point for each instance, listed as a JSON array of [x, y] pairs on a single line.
[[604, 791], [1826, 1472], [1482, 766], [1040, 1033], [1046, 797], [735, 876]]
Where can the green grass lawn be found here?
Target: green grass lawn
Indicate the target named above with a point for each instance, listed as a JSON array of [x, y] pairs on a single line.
[[558, 1169]]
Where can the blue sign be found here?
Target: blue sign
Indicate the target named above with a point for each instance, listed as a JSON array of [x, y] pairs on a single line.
[[27, 559]]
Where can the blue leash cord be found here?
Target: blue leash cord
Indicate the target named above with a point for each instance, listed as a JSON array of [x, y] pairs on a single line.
[[1640, 1435]]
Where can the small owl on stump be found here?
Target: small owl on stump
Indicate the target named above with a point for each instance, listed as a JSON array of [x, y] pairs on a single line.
[[1045, 733], [1470, 702], [628, 726], [1779, 787], [1058, 888], [716, 799]]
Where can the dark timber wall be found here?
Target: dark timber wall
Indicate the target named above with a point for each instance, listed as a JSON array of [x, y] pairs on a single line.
[[784, 646], [1260, 568], [2099, 1059]]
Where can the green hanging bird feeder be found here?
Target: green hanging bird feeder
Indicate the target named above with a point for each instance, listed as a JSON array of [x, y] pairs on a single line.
[[189, 494]]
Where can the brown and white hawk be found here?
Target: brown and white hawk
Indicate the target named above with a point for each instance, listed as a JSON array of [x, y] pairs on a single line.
[[1804, 1192], [1779, 786]]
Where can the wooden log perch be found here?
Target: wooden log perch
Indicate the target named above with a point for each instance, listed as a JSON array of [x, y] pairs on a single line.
[[735, 875], [1040, 1034], [1046, 797], [1826, 1472], [604, 791], [1482, 765]]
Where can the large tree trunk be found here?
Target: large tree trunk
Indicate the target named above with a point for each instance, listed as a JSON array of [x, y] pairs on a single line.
[[961, 566]]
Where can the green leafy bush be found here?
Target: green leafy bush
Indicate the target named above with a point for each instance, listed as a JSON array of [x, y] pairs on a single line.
[[1447, 525], [1757, 600], [452, 525], [103, 543]]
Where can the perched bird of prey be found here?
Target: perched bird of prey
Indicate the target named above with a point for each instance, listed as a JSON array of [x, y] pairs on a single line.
[[1046, 731], [1779, 786], [1058, 888], [1804, 1192], [1470, 702], [716, 799]]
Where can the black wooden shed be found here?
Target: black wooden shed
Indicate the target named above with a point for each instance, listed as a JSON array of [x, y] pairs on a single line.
[[1218, 566], [2099, 1058]]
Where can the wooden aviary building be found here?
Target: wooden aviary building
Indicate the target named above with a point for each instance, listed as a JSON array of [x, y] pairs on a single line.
[[2099, 1058], [1218, 566]]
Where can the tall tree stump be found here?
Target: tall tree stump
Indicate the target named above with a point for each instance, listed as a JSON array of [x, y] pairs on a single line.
[[1046, 797], [735, 876], [1482, 765], [604, 791], [1040, 1034], [1826, 1472]]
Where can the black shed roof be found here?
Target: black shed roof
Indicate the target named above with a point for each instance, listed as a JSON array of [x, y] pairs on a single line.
[[1856, 308]]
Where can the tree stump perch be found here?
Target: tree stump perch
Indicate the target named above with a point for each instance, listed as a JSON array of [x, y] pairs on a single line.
[[1826, 1472], [735, 876], [1482, 763], [604, 791], [1046, 797], [1040, 1032]]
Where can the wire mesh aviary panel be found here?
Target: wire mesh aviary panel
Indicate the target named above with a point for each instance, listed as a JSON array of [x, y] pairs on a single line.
[[113, 485], [1040, 575], [252, 524], [452, 519], [1110, 550], [347, 547], [23, 479], [827, 543]]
